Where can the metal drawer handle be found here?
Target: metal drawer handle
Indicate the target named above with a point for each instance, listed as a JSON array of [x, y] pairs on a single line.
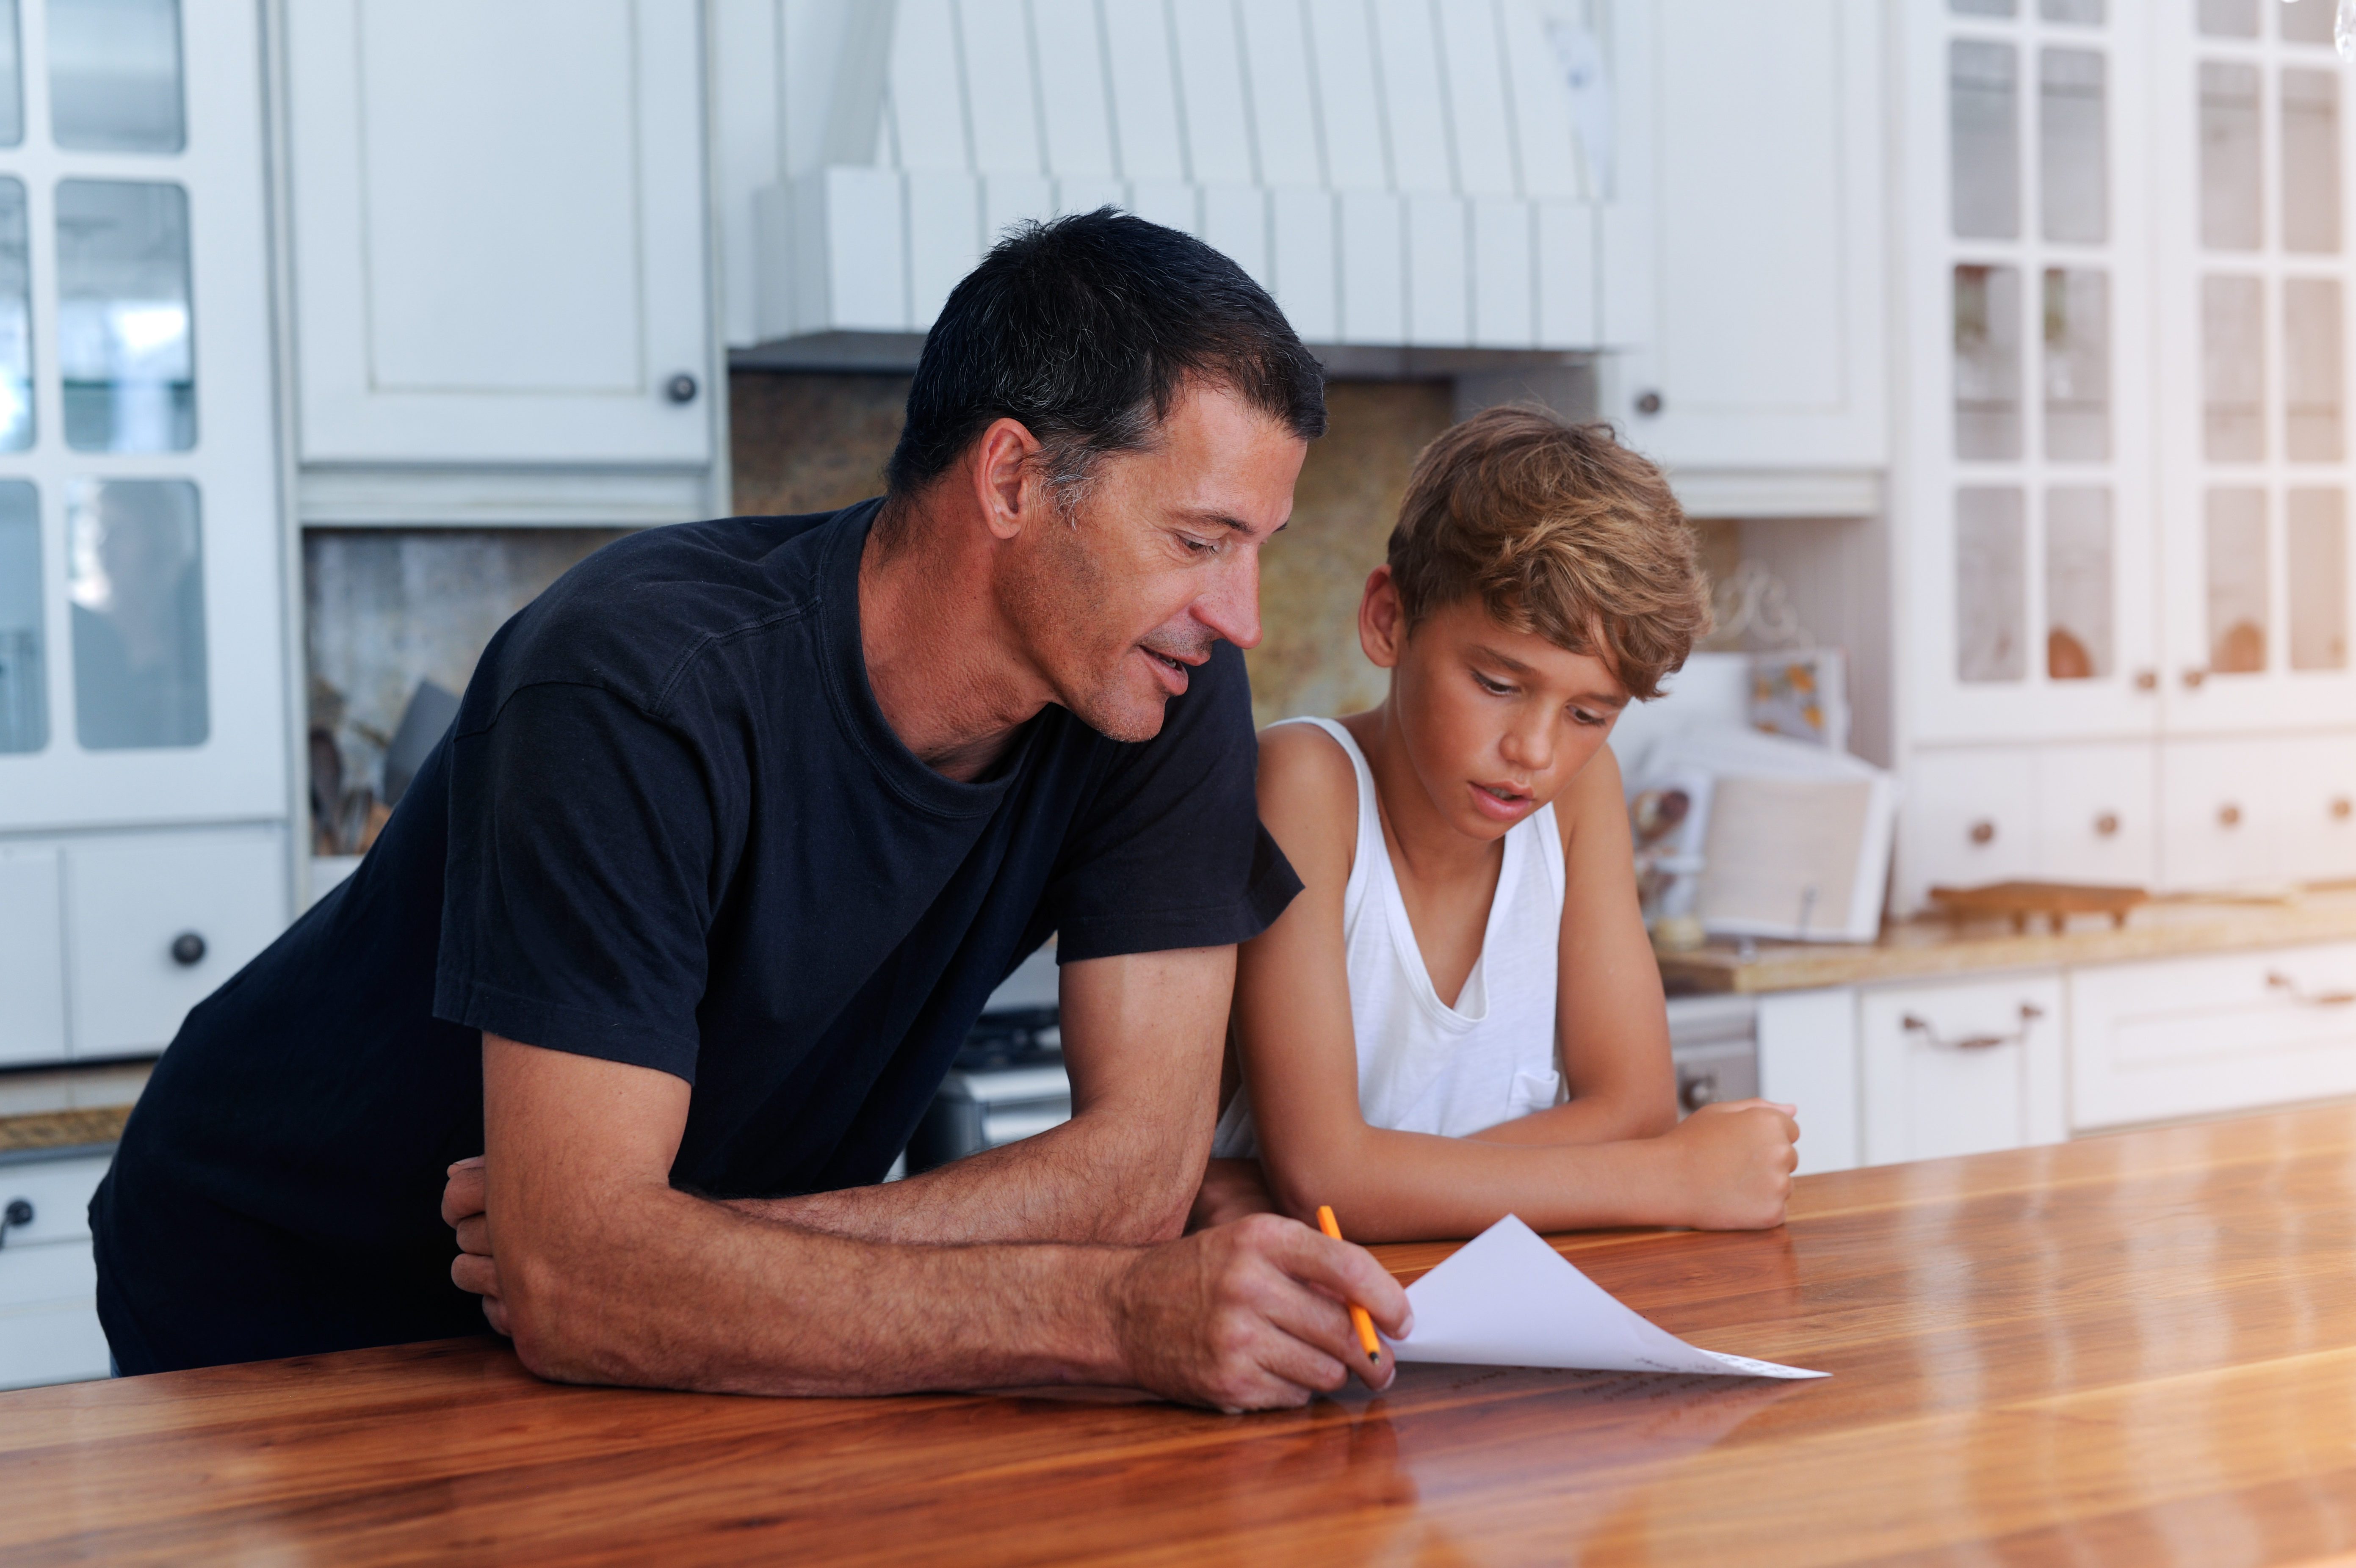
[[16, 1217], [2029, 1013], [2277, 981], [1698, 1090]]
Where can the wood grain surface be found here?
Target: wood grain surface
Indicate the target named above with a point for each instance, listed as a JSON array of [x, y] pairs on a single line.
[[2133, 1350]]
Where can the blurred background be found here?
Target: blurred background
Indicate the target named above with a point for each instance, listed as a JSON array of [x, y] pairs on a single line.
[[1997, 349]]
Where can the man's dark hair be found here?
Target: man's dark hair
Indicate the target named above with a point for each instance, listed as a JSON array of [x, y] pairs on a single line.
[[1087, 329]]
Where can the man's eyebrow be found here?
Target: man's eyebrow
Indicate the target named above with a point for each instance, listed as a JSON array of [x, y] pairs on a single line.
[[1235, 524]]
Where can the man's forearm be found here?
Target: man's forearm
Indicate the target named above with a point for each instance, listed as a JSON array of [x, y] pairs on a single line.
[[1088, 1180], [687, 1293]]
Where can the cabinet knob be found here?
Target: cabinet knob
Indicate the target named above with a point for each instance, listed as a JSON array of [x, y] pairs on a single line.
[[681, 387], [2341, 808], [2229, 816], [1982, 832], [2107, 824], [188, 949], [1697, 1091], [1648, 402], [16, 1217], [2193, 678], [2146, 680]]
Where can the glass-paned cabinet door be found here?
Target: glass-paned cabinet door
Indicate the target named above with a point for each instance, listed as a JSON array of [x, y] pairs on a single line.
[[2254, 458], [141, 611], [2038, 554]]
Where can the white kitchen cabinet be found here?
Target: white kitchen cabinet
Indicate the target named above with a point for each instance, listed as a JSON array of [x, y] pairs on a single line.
[[155, 922], [1969, 816], [1750, 316], [49, 1330], [1808, 1058], [1961, 1068], [499, 223], [32, 955], [2195, 1036]]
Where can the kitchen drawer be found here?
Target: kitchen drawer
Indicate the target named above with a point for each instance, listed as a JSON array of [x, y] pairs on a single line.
[[130, 899], [32, 955], [2097, 814], [59, 1190], [57, 1343], [1961, 1068], [2318, 835], [59, 1272], [1968, 816], [2226, 810], [2192, 1036]]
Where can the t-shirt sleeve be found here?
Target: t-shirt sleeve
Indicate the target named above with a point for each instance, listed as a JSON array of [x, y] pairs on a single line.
[[580, 880], [1169, 852]]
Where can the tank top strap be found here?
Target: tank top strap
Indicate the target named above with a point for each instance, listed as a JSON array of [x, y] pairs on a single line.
[[1545, 843], [1368, 859]]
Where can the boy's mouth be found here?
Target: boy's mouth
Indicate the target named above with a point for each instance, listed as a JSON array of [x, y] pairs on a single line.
[[1501, 801]]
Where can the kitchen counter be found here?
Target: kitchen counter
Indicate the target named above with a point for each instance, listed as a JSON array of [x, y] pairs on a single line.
[[2128, 1350], [65, 1111], [2163, 928]]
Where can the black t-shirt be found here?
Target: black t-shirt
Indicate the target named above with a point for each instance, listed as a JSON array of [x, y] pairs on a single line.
[[670, 828]]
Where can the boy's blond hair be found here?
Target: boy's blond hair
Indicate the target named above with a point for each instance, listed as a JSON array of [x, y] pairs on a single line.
[[1563, 532]]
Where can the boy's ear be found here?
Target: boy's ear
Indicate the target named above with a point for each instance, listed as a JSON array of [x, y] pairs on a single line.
[[1382, 619]]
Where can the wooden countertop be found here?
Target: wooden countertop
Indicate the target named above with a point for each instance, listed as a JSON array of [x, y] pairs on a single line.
[[2128, 1350], [37, 1134], [1920, 948]]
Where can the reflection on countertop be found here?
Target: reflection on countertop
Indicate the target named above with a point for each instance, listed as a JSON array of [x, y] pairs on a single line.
[[2168, 927]]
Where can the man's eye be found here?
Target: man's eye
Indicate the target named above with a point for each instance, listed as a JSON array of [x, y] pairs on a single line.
[[1199, 547]]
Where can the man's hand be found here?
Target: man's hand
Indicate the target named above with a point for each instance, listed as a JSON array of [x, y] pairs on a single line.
[[1253, 1316], [1231, 1190], [473, 1269], [1734, 1163]]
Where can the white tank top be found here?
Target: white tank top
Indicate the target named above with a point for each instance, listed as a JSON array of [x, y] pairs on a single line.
[[1424, 1066]]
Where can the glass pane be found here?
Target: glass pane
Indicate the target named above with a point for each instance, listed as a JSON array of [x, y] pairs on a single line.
[[1984, 179], [2078, 583], [24, 674], [11, 77], [115, 75], [2230, 187], [1980, 8], [2237, 581], [2232, 369], [2230, 18], [2311, 369], [137, 580], [123, 334], [1991, 584], [2316, 545], [15, 322], [2308, 23], [1987, 362], [2074, 194], [2089, 12], [2310, 160], [2077, 365]]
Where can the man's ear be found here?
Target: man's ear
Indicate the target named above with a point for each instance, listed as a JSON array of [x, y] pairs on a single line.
[[1382, 619], [1006, 476]]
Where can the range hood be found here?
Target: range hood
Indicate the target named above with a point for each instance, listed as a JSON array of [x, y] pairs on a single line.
[[1417, 177]]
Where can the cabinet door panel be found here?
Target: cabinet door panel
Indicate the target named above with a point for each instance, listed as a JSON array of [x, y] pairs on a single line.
[[1967, 818], [58, 1191], [2224, 808], [39, 1276], [59, 1343], [2195, 1036], [2097, 814], [498, 229], [129, 901], [1964, 1069], [32, 957], [2318, 830]]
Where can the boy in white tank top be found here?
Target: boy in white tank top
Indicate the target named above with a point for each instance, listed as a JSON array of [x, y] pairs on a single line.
[[1459, 1016]]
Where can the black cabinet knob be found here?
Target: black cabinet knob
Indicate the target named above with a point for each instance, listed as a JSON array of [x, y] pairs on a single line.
[[1648, 402], [188, 949], [681, 388], [16, 1217]]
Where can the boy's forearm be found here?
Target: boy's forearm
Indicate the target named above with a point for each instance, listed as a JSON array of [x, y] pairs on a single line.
[[1400, 1187], [1607, 1117]]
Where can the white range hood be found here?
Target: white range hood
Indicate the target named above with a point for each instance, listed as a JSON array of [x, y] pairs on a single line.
[[1400, 174]]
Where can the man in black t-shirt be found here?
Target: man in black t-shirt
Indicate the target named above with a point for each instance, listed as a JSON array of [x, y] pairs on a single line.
[[738, 825]]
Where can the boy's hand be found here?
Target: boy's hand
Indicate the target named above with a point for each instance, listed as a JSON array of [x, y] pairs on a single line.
[[1734, 1163], [1231, 1188]]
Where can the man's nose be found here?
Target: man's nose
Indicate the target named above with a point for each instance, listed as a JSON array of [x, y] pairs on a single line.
[[1231, 607]]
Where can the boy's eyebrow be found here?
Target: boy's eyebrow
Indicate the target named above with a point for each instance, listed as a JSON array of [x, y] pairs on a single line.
[[1600, 698]]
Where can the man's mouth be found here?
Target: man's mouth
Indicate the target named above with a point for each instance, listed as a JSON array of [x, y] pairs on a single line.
[[1170, 669]]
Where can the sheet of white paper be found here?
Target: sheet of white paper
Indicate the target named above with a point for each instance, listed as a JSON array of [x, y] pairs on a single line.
[[1507, 1299]]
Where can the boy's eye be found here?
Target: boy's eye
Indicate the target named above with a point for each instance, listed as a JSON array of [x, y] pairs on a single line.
[[1581, 716], [1493, 688]]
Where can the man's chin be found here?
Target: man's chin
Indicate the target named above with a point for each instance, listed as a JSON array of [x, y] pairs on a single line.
[[1124, 715]]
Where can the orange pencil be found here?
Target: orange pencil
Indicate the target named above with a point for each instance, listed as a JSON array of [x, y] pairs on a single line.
[[1358, 1319]]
